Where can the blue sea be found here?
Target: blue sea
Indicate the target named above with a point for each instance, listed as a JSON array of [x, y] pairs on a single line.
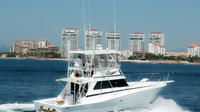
[[22, 81]]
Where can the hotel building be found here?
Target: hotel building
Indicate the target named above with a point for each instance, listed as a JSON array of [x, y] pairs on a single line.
[[69, 41], [93, 39], [17, 45], [113, 41], [157, 37], [194, 50], [136, 41], [157, 43], [43, 43], [33, 47], [156, 48]]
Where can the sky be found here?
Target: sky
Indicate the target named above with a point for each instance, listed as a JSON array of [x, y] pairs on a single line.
[[179, 20]]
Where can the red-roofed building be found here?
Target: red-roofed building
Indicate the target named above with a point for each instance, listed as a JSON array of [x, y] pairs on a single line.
[[156, 32], [157, 37], [93, 30], [19, 44], [194, 50], [69, 41], [156, 48], [137, 33], [113, 32], [125, 54], [157, 43], [182, 54], [93, 39], [30, 47], [136, 42], [70, 28], [113, 40], [141, 52], [43, 43], [126, 50]]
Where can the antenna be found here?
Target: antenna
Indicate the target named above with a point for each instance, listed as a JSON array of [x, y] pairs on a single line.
[[114, 11], [89, 14], [83, 15], [89, 24]]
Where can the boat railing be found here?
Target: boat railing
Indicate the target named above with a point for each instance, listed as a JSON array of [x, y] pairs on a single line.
[[81, 71]]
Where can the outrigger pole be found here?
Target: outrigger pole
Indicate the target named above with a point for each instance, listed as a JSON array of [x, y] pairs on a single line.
[[83, 16]]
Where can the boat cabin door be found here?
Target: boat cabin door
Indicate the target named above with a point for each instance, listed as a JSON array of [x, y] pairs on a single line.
[[78, 91], [74, 91]]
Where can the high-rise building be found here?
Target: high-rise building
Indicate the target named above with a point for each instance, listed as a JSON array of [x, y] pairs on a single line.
[[194, 50], [157, 43], [136, 41], [43, 43], [157, 37], [156, 49], [93, 39], [69, 41], [113, 41], [17, 45], [33, 47]]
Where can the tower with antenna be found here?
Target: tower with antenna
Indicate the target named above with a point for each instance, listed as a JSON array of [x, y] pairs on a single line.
[[136, 41], [69, 41], [93, 39], [113, 39]]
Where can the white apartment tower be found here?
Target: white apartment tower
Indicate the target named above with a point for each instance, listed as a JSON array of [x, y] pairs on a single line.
[[157, 37], [93, 39], [194, 50], [69, 41], [136, 41], [113, 41], [157, 43], [156, 49]]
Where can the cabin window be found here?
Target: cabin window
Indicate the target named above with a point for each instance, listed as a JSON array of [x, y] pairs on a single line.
[[119, 83], [114, 83], [102, 85], [106, 84]]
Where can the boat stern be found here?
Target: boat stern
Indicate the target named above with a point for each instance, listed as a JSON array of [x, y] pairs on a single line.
[[47, 105]]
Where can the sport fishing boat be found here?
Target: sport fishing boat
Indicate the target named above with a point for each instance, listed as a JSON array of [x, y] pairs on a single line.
[[95, 83]]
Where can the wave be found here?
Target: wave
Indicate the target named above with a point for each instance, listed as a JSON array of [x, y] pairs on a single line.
[[159, 105], [16, 107]]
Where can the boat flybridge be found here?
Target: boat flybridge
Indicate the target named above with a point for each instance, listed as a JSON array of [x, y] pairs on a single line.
[[95, 83]]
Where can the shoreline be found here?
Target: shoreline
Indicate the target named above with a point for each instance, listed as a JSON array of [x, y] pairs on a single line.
[[122, 61], [160, 62]]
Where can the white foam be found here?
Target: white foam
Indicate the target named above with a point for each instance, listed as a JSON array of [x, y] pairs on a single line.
[[159, 105], [16, 107]]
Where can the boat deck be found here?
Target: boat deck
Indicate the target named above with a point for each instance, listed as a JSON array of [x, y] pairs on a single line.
[[138, 85]]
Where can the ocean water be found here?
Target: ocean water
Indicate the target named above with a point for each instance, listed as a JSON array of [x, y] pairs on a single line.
[[22, 81]]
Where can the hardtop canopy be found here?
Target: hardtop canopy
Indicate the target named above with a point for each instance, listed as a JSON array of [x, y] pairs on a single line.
[[74, 80], [95, 52]]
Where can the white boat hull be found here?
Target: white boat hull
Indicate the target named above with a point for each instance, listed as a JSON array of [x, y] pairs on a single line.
[[117, 103]]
